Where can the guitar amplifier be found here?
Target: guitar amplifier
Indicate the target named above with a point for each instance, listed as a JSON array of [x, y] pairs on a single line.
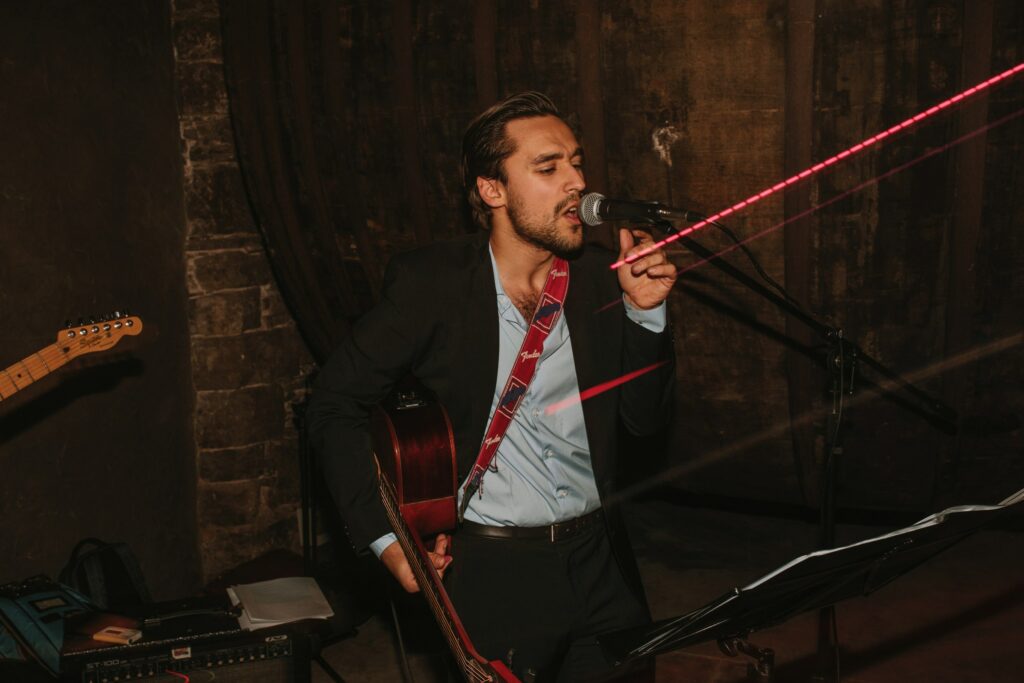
[[200, 643]]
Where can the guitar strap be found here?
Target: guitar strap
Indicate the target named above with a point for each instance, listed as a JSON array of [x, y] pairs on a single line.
[[544, 318]]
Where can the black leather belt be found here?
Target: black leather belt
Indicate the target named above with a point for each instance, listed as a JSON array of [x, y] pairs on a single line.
[[556, 532]]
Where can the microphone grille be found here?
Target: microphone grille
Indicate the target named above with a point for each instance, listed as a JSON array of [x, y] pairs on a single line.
[[589, 205]]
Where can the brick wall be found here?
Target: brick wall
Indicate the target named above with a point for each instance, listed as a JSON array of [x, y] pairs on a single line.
[[248, 361]]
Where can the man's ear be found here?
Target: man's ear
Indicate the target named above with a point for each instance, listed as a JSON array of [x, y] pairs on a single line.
[[492, 191]]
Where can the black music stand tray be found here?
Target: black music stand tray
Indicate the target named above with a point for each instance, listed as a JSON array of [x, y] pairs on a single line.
[[807, 583]]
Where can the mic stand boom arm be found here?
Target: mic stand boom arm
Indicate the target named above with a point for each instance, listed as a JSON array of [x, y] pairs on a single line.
[[930, 408]]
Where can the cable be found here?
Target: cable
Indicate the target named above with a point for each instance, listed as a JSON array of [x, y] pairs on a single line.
[[757, 266]]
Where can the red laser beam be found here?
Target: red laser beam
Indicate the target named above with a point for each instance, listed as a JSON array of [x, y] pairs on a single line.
[[600, 388], [780, 429], [822, 165], [614, 302], [858, 188]]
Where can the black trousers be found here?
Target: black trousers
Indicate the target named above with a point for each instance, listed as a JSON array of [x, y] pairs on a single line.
[[538, 605]]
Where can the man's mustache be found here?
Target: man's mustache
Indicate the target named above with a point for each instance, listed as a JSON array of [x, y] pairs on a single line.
[[574, 197]]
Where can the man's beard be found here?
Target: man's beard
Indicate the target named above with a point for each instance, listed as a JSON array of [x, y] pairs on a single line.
[[545, 235]]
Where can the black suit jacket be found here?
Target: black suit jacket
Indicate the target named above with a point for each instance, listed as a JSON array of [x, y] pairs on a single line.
[[438, 319]]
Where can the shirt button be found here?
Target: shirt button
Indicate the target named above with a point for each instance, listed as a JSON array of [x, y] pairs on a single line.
[[548, 453], [562, 492]]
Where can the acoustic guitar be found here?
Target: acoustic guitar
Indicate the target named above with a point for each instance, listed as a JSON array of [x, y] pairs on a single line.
[[71, 343], [415, 453]]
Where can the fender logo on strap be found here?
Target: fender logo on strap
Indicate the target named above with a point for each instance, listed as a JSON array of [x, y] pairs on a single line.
[[544, 318]]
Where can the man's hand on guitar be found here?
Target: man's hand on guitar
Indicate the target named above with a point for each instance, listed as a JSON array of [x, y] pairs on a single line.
[[394, 559]]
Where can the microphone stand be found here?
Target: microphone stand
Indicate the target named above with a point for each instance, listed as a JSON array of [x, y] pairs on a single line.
[[842, 359]]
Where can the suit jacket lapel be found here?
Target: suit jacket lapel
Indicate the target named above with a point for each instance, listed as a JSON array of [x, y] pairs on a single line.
[[579, 316], [481, 339]]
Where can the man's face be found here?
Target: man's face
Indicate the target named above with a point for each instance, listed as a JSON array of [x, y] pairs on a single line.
[[545, 179]]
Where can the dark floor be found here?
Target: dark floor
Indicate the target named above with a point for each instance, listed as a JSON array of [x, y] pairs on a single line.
[[958, 618]]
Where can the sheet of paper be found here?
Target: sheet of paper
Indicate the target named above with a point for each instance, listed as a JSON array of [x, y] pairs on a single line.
[[279, 601]]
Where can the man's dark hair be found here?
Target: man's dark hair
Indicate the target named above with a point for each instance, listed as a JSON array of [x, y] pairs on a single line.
[[485, 145]]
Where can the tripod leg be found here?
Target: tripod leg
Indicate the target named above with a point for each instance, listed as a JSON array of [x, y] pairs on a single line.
[[403, 658], [328, 669], [828, 647]]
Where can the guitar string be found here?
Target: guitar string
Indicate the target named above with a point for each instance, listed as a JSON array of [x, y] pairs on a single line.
[[45, 361], [39, 364], [471, 667], [37, 369], [15, 384], [401, 532], [41, 357]]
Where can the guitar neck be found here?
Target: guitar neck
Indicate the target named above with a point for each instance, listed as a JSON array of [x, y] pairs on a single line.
[[473, 666], [28, 370]]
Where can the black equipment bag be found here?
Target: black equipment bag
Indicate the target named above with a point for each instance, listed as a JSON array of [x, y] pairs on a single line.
[[108, 573]]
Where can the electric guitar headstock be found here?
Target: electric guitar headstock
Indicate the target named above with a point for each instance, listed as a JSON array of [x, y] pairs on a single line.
[[73, 341], [96, 334]]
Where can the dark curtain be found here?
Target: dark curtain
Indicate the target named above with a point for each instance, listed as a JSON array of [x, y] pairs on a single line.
[[292, 112]]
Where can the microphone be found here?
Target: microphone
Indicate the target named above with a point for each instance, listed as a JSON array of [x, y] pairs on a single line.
[[596, 209]]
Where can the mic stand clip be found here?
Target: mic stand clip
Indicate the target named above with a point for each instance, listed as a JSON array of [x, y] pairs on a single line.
[[762, 669]]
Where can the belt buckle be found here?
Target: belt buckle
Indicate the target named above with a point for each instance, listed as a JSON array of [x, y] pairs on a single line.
[[553, 533]]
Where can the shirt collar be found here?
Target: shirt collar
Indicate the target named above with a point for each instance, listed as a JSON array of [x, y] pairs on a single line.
[[504, 302]]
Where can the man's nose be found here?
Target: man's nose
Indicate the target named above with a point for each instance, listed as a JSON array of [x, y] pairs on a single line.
[[575, 181]]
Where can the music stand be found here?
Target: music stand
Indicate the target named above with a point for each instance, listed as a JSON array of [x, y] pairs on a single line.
[[806, 583]]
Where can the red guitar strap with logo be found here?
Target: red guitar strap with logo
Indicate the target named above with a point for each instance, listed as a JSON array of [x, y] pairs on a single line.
[[544, 318]]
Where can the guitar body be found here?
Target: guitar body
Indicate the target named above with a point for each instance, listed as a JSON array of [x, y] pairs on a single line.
[[418, 436], [415, 451]]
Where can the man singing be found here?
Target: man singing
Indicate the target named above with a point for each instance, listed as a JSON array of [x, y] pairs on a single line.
[[539, 567]]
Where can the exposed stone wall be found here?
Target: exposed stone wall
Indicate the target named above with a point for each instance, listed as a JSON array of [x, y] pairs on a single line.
[[248, 361]]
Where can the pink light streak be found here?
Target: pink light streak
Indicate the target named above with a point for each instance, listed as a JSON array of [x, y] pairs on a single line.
[[858, 188], [600, 388], [822, 165]]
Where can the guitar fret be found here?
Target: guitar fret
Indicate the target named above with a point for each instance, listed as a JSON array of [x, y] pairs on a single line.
[[27, 370], [42, 360], [474, 667], [426, 585], [34, 370], [13, 381], [402, 532], [56, 356]]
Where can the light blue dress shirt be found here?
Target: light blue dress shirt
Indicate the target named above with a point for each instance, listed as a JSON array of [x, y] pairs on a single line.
[[542, 472]]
